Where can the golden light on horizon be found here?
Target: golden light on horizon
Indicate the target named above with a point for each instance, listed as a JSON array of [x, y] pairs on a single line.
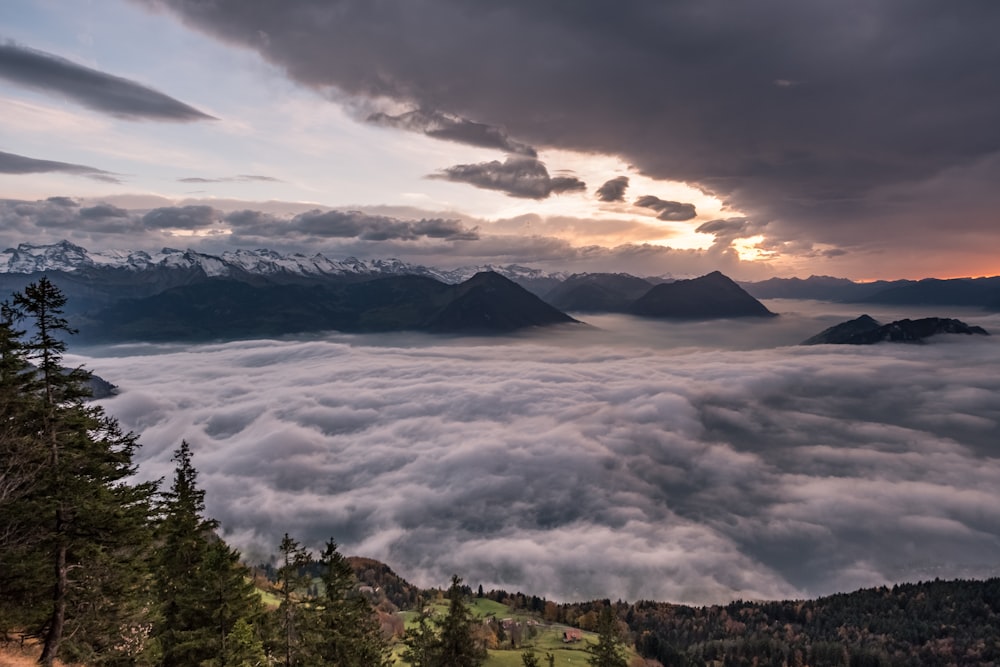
[[749, 249]]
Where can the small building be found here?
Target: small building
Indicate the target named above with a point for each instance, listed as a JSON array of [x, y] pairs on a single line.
[[571, 635]]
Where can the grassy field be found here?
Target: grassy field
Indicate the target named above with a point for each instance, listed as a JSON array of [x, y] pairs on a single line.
[[549, 640], [549, 637]]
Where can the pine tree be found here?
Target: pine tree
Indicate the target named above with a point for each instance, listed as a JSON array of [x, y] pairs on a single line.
[[203, 588], [609, 651], [293, 619], [89, 530], [350, 634], [21, 460], [420, 641], [244, 648], [457, 647], [19, 457]]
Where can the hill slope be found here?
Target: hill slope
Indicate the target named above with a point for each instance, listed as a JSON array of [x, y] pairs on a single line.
[[708, 297], [867, 331]]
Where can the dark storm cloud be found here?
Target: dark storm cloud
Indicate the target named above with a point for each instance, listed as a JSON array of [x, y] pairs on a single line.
[[90, 87], [826, 119], [614, 189], [727, 230], [320, 225], [240, 178], [102, 211], [631, 459], [443, 126], [670, 211], [58, 218], [517, 176], [19, 164], [338, 232], [728, 226], [181, 217]]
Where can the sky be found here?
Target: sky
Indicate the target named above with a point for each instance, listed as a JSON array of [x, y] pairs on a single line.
[[629, 459], [850, 138]]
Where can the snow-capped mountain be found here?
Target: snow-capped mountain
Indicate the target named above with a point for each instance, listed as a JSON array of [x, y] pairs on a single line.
[[67, 257], [515, 272]]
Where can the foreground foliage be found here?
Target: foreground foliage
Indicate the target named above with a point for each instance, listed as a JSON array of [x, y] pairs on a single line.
[[75, 530]]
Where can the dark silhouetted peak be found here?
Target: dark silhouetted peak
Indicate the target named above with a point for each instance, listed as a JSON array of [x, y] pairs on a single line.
[[711, 296], [487, 303], [844, 331], [900, 331]]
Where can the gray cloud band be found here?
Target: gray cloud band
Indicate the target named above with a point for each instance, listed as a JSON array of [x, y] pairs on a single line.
[[11, 163], [461, 130], [20, 218], [91, 88], [516, 176], [671, 211]]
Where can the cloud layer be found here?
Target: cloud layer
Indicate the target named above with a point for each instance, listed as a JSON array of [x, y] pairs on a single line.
[[64, 216], [516, 176], [637, 459], [90, 87], [854, 125], [11, 163], [441, 239], [443, 126]]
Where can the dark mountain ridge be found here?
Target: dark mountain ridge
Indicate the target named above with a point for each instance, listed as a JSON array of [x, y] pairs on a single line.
[[865, 330], [224, 308], [975, 292], [710, 296], [598, 292]]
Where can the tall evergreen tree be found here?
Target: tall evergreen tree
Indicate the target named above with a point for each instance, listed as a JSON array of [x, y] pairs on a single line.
[[420, 641], [89, 524], [450, 642], [457, 646], [609, 651], [203, 588], [21, 459], [293, 620], [244, 648], [349, 631]]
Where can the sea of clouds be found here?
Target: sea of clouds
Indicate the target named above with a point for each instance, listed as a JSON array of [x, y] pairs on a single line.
[[630, 459]]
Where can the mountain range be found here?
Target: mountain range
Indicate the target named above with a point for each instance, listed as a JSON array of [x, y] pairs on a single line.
[[183, 294], [66, 257], [587, 292], [187, 295], [975, 292], [227, 308]]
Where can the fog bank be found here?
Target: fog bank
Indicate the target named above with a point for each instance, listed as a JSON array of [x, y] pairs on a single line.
[[632, 459]]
